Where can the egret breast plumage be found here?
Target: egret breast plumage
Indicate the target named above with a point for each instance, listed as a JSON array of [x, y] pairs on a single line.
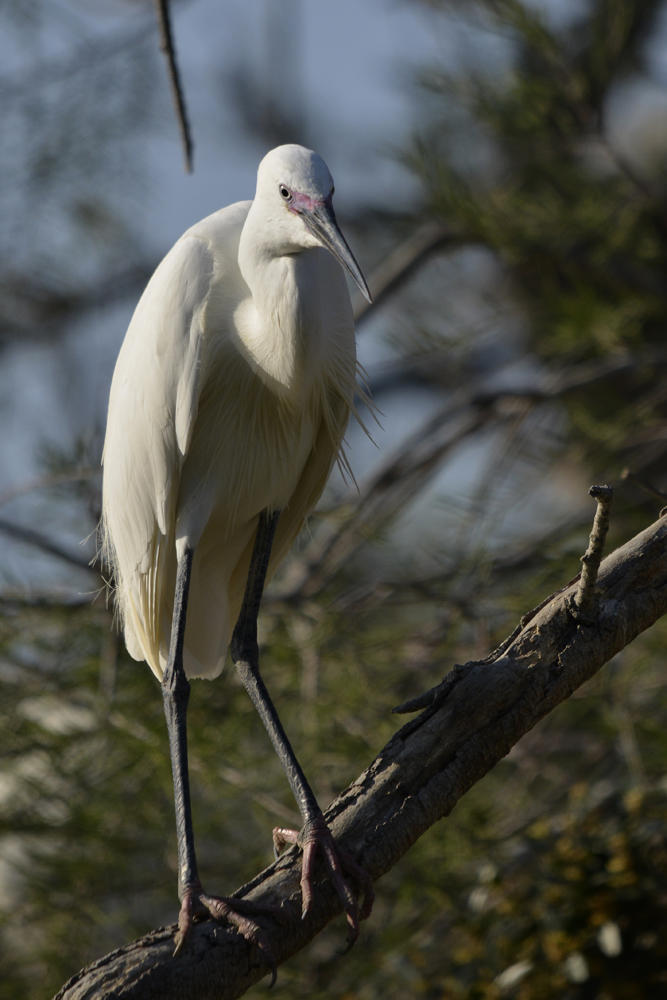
[[228, 406]]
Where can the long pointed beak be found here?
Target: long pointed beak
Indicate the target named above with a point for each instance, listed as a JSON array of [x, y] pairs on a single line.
[[321, 221]]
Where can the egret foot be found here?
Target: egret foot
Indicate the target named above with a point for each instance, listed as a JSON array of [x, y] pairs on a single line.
[[316, 836], [237, 913]]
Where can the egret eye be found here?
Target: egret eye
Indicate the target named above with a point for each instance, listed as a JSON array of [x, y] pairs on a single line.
[[285, 192]]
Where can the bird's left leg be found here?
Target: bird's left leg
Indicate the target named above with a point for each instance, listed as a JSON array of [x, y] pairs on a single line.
[[176, 694], [315, 836]]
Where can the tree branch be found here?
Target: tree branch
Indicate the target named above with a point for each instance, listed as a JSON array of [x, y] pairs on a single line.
[[415, 461], [401, 264], [473, 719], [31, 537], [585, 595], [167, 46], [630, 477]]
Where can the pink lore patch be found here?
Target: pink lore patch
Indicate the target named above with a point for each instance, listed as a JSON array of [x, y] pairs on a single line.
[[304, 203]]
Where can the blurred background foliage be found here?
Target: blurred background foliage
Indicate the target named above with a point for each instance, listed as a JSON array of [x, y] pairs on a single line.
[[530, 308]]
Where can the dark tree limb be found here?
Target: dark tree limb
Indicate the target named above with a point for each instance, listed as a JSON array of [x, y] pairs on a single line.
[[401, 264], [167, 46], [40, 541], [649, 488], [477, 715], [415, 462]]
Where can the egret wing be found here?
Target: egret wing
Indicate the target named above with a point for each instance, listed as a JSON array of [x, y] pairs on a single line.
[[152, 411]]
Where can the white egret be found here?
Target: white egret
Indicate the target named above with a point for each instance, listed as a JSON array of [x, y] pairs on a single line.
[[228, 405]]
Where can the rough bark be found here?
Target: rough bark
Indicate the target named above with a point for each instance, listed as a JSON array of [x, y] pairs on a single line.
[[472, 720]]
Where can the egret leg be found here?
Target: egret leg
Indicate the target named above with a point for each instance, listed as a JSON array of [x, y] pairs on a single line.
[[315, 836], [176, 694]]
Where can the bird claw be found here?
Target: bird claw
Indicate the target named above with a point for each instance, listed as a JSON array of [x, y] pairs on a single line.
[[237, 913], [317, 837]]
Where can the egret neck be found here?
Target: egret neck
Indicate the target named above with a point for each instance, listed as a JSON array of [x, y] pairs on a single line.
[[280, 324]]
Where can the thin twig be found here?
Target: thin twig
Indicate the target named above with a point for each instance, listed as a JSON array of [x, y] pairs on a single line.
[[167, 46], [591, 559], [46, 482], [90, 52], [388, 491], [415, 461], [39, 310], [630, 477], [437, 695], [47, 602], [40, 541], [271, 804], [401, 264]]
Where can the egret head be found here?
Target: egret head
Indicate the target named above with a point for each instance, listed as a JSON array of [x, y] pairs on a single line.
[[295, 191]]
